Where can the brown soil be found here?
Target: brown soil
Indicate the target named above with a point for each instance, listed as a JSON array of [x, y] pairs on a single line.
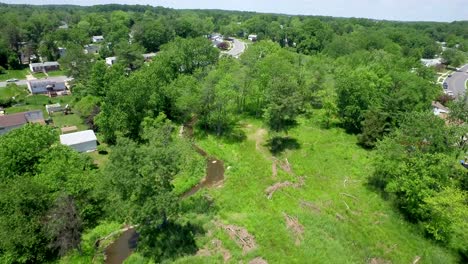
[[274, 169], [311, 206], [286, 166], [293, 224], [241, 236], [258, 260], [272, 189]]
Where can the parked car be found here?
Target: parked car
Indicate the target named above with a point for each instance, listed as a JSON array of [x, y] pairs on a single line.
[[445, 85], [12, 80]]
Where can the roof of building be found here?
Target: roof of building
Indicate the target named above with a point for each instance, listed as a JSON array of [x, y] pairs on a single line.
[[438, 105], [111, 58], [149, 55], [98, 37], [22, 118], [68, 129], [47, 63], [78, 137]]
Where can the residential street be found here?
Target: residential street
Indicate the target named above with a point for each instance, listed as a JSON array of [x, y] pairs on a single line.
[[25, 82], [456, 83], [237, 49]]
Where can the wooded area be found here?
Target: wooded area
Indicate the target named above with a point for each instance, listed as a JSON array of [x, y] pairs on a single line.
[[308, 86]]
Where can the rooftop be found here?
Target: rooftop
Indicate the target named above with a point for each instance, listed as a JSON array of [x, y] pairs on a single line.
[[78, 137], [22, 118]]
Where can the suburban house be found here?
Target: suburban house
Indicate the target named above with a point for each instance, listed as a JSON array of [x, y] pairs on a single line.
[[149, 56], [51, 108], [111, 60], [91, 49], [62, 51], [83, 141], [431, 62], [98, 39], [44, 66], [9, 122], [45, 86], [440, 110], [252, 37]]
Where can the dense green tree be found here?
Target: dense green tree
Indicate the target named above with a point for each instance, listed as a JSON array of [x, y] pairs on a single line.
[[21, 149], [453, 57]]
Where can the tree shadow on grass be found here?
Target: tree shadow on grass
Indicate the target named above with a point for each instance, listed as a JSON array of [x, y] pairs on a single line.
[[231, 135], [172, 240], [277, 144]]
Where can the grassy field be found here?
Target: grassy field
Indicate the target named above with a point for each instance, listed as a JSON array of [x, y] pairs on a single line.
[[339, 219], [39, 75], [17, 74], [19, 92], [57, 73]]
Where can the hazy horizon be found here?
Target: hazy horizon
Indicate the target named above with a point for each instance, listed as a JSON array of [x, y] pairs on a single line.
[[409, 10]]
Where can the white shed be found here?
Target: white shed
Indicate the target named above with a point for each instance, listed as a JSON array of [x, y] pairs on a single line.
[[83, 141]]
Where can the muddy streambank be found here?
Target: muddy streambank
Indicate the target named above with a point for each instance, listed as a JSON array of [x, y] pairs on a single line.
[[214, 167], [123, 247]]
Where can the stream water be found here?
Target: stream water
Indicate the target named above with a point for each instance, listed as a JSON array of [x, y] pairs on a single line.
[[123, 247]]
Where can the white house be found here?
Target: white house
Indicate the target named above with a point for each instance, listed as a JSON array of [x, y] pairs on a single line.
[[431, 62], [149, 56], [44, 86], [97, 39], [111, 60], [91, 49], [252, 37], [50, 108], [439, 109], [62, 51], [44, 66], [83, 141]]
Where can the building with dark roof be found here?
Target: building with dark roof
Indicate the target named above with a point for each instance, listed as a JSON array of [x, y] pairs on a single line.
[[9, 122]]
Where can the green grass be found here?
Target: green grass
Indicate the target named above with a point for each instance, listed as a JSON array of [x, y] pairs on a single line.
[[19, 92], [39, 75], [335, 171], [62, 120], [38, 102], [57, 73], [17, 74]]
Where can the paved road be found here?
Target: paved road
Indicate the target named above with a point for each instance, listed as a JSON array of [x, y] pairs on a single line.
[[237, 49], [25, 82], [456, 83]]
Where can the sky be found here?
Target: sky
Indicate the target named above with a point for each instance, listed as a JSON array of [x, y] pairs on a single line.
[[405, 10]]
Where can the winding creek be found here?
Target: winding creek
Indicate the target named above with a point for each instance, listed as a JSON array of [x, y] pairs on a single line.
[[123, 247]]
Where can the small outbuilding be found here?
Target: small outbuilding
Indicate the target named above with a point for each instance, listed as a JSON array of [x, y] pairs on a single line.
[[83, 141]]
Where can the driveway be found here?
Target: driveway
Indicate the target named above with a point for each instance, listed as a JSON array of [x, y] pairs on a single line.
[[456, 83], [25, 82], [238, 47]]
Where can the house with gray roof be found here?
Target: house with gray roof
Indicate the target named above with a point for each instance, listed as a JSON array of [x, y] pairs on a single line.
[[44, 66], [44, 86], [9, 122]]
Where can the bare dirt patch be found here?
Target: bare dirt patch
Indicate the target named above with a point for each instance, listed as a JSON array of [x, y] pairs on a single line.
[[286, 166], [274, 170], [310, 206], [241, 236], [292, 223], [258, 260], [272, 189]]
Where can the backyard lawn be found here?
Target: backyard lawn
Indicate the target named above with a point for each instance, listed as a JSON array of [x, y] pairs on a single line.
[[57, 73], [13, 90], [14, 74]]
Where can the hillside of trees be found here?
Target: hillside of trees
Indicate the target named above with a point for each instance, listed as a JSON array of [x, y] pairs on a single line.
[[308, 86]]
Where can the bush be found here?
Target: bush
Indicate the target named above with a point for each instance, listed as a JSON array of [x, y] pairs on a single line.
[[2, 70]]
